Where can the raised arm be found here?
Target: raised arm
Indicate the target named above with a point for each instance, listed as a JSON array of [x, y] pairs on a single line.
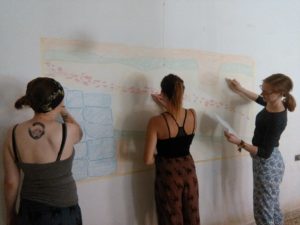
[[73, 125], [11, 179], [160, 100], [236, 87]]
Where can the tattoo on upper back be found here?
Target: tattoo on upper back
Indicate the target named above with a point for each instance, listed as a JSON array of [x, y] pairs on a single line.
[[37, 130]]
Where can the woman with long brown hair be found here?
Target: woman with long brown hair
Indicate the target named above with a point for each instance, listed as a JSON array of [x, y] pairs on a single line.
[[41, 149], [268, 165], [168, 139]]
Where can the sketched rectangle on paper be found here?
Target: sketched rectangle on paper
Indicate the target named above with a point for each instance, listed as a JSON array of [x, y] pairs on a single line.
[[81, 150], [99, 115], [95, 131], [100, 148], [95, 99], [74, 98]]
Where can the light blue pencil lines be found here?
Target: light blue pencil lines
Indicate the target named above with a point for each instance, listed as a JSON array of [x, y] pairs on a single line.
[[95, 154]]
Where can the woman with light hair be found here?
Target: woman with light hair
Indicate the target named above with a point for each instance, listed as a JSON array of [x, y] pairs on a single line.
[[268, 165]]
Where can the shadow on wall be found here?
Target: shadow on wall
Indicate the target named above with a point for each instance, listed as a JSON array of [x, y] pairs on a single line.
[[233, 171], [207, 125], [131, 150], [10, 90], [227, 182]]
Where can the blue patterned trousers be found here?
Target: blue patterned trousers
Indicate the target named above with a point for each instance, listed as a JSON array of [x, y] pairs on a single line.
[[267, 176]]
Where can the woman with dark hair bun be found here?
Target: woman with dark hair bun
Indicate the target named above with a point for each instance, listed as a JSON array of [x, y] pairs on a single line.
[[171, 134], [41, 148], [268, 165]]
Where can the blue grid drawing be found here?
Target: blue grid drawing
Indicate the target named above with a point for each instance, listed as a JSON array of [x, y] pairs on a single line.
[[95, 154]]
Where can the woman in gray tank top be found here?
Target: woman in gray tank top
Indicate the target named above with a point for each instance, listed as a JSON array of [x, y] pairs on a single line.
[[41, 148]]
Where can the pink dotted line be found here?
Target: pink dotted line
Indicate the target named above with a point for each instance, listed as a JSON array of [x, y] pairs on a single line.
[[89, 81]]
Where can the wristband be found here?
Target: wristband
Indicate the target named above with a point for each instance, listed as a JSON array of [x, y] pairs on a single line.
[[241, 145]]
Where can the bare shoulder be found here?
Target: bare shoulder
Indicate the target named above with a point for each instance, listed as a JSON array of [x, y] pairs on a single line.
[[74, 131], [193, 117], [192, 110], [70, 126], [8, 136], [9, 133], [154, 123], [156, 119]]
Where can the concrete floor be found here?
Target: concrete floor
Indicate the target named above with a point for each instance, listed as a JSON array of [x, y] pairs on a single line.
[[295, 221]]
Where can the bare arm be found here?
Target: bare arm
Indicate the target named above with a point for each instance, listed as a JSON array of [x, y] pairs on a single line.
[[160, 100], [195, 118], [73, 125], [11, 180], [236, 87], [237, 141], [151, 140]]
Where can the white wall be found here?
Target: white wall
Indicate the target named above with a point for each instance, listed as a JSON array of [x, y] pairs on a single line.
[[266, 30]]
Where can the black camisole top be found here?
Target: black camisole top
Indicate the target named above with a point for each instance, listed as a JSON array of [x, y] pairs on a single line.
[[178, 146]]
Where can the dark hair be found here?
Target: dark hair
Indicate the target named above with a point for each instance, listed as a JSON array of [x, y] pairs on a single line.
[[173, 87], [43, 94], [283, 84]]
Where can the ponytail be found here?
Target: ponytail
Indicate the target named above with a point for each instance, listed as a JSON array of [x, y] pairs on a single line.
[[21, 102], [177, 97], [173, 87], [283, 84], [43, 94], [290, 102]]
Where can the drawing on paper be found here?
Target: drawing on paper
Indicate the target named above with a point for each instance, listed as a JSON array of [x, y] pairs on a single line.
[[108, 90]]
